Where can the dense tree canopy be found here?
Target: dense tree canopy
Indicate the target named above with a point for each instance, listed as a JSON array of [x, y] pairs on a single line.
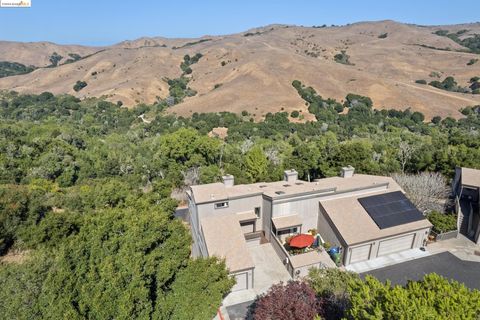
[[85, 191]]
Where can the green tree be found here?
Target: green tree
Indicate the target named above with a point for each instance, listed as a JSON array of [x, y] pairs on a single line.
[[256, 164]]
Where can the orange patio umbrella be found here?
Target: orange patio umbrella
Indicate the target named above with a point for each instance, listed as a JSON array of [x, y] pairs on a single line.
[[301, 241]]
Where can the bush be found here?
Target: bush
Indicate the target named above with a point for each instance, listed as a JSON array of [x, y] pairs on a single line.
[[294, 114], [383, 35], [295, 300], [79, 85], [434, 297], [442, 222], [342, 58], [421, 81], [472, 61]]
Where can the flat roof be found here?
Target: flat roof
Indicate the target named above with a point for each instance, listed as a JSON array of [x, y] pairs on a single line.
[[246, 216], [214, 192], [356, 226], [471, 177], [311, 258], [224, 239], [284, 222]]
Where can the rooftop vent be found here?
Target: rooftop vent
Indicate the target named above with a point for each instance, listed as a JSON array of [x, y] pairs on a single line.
[[298, 183], [228, 180], [286, 185], [279, 192], [347, 172], [290, 175]]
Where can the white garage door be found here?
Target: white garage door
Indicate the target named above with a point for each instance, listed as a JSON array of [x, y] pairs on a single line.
[[361, 253], [247, 227], [242, 282], [396, 244]]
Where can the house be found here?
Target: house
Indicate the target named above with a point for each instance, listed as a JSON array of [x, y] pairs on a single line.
[[365, 216], [466, 189]]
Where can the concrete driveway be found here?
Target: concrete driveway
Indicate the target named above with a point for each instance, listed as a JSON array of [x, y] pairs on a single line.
[[445, 264], [269, 270]]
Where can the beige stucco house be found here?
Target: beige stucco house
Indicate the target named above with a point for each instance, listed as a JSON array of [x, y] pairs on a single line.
[[361, 214]]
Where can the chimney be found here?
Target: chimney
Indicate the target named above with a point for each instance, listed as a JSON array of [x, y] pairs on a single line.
[[290, 176], [228, 180], [347, 172]]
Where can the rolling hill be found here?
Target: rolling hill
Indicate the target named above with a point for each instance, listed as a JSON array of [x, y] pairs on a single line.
[[253, 70]]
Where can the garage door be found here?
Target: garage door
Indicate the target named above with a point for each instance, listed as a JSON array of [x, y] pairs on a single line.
[[396, 244], [361, 253], [242, 282], [248, 227]]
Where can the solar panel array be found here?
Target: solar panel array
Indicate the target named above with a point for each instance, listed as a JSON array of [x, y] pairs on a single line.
[[390, 209]]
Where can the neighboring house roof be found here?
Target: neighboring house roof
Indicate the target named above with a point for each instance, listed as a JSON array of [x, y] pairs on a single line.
[[355, 225], [284, 222], [471, 177], [224, 239], [215, 192]]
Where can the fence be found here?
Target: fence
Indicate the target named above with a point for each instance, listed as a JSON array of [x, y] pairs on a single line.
[[444, 235]]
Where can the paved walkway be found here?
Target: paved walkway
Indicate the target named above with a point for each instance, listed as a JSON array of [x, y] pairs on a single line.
[[387, 260], [268, 271]]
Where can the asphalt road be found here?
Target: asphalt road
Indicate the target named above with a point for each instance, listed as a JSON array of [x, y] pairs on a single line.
[[444, 264]]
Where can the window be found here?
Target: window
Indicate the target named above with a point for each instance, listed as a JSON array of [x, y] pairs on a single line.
[[287, 231], [220, 205], [257, 212]]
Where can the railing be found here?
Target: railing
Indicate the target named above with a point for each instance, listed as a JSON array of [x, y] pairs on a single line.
[[444, 235], [282, 253]]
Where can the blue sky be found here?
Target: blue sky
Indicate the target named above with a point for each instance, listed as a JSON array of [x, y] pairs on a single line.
[[103, 22]]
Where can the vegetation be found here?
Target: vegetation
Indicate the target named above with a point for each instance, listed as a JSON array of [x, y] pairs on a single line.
[[472, 62], [421, 81], [73, 57], [178, 87], [442, 222], [188, 61], [79, 85], [294, 300], [383, 35], [432, 297], [8, 69], [55, 59], [335, 294], [448, 84], [189, 44], [72, 171], [343, 58], [472, 43], [294, 114]]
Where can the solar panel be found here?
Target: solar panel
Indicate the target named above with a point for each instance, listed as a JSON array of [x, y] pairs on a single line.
[[390, 209]]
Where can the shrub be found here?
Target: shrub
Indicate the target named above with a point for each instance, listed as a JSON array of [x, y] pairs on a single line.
[[436, 119], [331, 287], [217, 85], [244, 113], [343, 58], [383, 35], [434, 297], [223, 63], [472, 61], [442, 222], [79, 85], [294, 114], [295, 300], [421, 81]]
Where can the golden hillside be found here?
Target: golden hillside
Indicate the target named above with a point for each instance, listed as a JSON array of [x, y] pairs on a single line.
[[258, 69]]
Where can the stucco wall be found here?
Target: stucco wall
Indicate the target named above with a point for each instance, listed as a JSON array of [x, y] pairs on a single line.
[[326, 230]]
